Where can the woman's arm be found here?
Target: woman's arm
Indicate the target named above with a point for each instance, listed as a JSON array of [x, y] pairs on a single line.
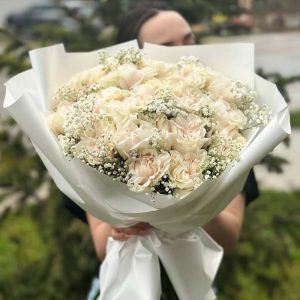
[[100, 232], [226, 227]]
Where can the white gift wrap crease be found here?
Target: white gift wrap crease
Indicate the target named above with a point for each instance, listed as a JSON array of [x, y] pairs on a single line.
[[28, 101], [190, 259], [130, 271]]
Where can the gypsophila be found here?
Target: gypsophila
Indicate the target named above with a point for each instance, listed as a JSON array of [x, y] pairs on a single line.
[[159, 128]]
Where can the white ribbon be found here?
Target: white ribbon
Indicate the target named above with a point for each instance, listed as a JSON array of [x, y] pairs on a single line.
[[131, 268]]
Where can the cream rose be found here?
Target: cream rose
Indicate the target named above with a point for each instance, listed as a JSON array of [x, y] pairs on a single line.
[[167, 136], [227, 116], [162, 69], [232, 133], [103, 126], [186, 170], [194, 77], [108, 95], [146, 170], [189, 133], [57, 119], [130, 137], [193, 103], [129, 76], [220, 87], [144, 92], [87, 149]]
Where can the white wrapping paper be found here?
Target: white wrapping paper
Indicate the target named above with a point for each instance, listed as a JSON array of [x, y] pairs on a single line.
[[28, 101], [132, 266]]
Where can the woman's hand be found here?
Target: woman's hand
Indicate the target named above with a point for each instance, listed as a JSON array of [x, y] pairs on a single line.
[[101, 231], [123, 234]]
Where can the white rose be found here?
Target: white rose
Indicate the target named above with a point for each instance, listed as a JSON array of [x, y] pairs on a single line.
[[194, 103], [146, 170], [114, 93], [165, 136], [130, 137], [148, 72], [57, 119], [118, 111], [111, 79], [87, 148], [86, 78], [129, 76], [107, 96], [164, 127], [237, 119], [227, 116], [144, 90], [190, 133], [186, 170], [220, 87], [194, 76], [162, 69], [103, 126]]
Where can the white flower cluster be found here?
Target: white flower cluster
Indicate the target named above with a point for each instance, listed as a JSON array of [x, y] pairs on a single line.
[[158, 127]]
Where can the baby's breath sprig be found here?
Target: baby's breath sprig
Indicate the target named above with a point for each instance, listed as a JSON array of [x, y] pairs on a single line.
[[206, 111], [207, 115], [245, 102], [164, 186], [221, 152], [189, 60], [67, 143], [164, 103], [80, 117], [65, 93], [103, 57], [71, 95], [130, 56], [115, 168], [156, 140], [123, 56], [209, 125], [90, 89], [257, 116], [109, 62], [243, 95]]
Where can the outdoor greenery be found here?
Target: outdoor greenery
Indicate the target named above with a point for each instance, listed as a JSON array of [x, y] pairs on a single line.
[[45, 253], [266, 264], [295, 119]]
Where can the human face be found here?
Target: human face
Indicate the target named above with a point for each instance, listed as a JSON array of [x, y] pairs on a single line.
[[167, 28]]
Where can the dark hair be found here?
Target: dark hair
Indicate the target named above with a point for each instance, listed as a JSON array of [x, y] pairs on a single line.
[[131, 24]]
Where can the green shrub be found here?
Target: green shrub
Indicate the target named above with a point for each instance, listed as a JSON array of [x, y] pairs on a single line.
[[295, 119], [266, 264], [45, 253]]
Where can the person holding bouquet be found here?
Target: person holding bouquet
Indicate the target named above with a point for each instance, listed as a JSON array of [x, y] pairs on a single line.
[[151, 25]]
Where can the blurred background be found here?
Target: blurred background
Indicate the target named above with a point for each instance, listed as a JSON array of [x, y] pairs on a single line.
[[45, 253]]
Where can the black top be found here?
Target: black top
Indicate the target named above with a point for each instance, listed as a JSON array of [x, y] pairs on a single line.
[[250, 191]]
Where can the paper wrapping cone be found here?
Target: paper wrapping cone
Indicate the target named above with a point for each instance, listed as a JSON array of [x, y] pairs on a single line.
[[28, 101]]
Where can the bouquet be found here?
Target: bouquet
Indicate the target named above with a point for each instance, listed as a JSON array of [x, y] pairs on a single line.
[[134, 139], [161, 128]]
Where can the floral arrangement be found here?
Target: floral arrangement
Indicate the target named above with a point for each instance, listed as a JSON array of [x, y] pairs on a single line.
[[160, 128]]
